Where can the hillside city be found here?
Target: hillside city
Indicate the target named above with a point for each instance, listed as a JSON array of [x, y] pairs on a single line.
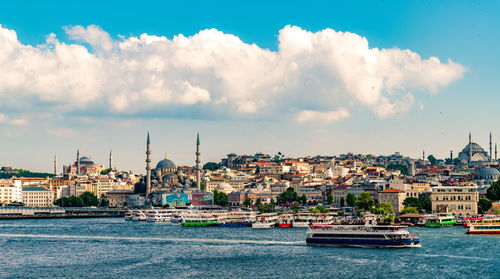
[[464, 185]]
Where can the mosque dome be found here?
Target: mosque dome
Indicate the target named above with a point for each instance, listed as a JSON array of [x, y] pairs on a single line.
[[224, 187], [488, 173], [166, 164]]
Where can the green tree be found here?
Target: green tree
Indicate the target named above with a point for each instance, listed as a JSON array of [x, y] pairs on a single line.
[[413, 202], [220, 198], [432, 159], [89, 199], [341, 213], [247, 202], [258, 201], [106, 171], [483, 205], [402, 168], [427, 205], [266, 208], [322, 209], [409, 209], [342, 202], [493, 192], [365, 201], [211, 166], [295, 209], [329, 198], [383, 208], [278, 158], [104, 203], [288, 196], [351, 200], [302, 199], [314, 211]]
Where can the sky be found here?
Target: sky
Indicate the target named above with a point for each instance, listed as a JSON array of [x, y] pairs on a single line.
[[297, 77]]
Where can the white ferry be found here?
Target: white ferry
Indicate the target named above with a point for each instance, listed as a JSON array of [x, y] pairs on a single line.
[[265, 221], [372, 236]]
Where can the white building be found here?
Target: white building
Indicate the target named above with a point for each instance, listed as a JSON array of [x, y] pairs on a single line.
[[11, 193], [37, 197]]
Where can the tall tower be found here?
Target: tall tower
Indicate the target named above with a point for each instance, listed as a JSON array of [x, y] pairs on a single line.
[[423, 156], [451, 156], [198, 161], [491, 149], [78, 161], [496, 152], [148, 167], [470, 149], [111, 159], [55, 164]]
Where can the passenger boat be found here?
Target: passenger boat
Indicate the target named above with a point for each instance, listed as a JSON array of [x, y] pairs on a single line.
[[265, 221], [367, 236], [128, 215], [285, 221], [485, 220], [484, 228], [159, 216], [235, 219], [441, 220], [138, 215], [200, 220]]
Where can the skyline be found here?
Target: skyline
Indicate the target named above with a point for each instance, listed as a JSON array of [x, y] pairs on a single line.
[[298, 106]]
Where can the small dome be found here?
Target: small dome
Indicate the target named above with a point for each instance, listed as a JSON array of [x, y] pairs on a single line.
[[166, 164], [225, 187], [488, 171]]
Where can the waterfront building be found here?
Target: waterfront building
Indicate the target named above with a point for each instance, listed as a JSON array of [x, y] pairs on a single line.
[[10, 192], [118, 198], [459, 200], [37, 197], [393, 196]]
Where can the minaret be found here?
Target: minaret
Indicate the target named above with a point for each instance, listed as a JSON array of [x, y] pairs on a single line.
[[491, 149], [496, 152], [198, 161], [55, 165], [451, 156], [423, 156], [148, 168], [111, 159], [470, 149], [78, 161]]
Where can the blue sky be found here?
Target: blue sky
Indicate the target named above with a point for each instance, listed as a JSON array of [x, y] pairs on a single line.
[[36, 124]]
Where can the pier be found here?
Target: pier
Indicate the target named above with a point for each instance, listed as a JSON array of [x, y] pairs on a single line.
[[8, 213]]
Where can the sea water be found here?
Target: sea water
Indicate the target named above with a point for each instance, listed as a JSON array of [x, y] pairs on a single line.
[[115, 248]]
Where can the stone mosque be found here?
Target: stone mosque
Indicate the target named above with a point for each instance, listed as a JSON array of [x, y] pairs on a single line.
[[474, 155]]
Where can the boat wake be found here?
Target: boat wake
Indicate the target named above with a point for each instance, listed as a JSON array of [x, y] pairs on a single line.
[[146, 239]]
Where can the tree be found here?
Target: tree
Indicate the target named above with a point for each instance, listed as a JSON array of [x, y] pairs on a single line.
[[413, 202], [314, 211], [493, 192], [483, 205], [409, 209], [302, 199], [351, 200], [342, 202], [211, 166], [89, 199], [295, 209], [341, 213], [288, 196], [247, 202], [278, 158], [402, 168], [427, 205], [220, 198], [106, 171], [365, 201], [432, 159], [383, 208], [329, 198], [265, 208], [322, 209], [258, 201]]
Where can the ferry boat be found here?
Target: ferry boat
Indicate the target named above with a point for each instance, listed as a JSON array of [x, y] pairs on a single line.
[[484, 228], [159, 216], [441, 220], [265, 221], [138, 215], [466, 221], [235, 219], [285, 221], [200, 220], [366, 236]]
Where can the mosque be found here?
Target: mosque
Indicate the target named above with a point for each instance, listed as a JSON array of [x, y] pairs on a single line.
[[474, 155], [167, 184]]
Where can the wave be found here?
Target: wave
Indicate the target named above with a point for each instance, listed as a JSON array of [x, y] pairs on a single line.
[[141, 239]]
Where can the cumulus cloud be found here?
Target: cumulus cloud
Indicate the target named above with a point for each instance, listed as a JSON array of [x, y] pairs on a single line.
[[313, 75], [321, 116]]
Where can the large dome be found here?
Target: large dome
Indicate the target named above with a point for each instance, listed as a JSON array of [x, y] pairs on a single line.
[[474, 147], [488, 171], [165, 164]]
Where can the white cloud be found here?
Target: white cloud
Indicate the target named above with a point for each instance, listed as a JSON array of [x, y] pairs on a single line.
[[19, 121], [319, 74], [321, 116], [2, 117]]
